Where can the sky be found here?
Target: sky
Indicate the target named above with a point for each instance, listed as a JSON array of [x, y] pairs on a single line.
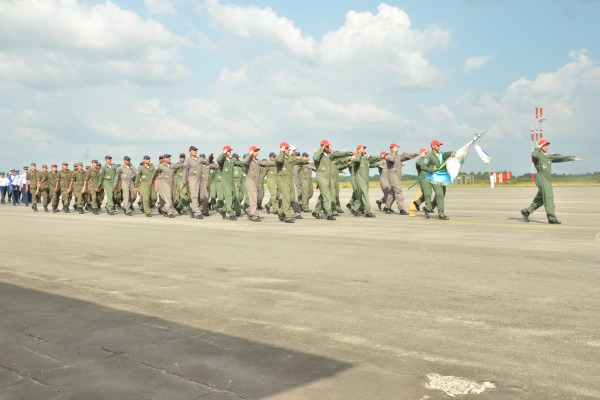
[[82, 79]]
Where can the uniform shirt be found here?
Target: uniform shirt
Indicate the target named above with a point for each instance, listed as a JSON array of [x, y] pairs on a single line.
[[52, 177], [107, 174], [125, 174], [4, 181], [164, 173], [144, 175], [42, 178], [77, 178], [65, 178], [15, 180]]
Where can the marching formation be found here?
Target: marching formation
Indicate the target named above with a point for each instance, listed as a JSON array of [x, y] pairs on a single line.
[[196, 184]]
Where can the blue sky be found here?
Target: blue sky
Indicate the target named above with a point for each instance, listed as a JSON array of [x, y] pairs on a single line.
[[80, 79]]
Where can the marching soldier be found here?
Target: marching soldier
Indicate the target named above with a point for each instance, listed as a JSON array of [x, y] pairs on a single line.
[[54, 187], [43, 190], [106, 181], [92, 180], [543, 180], [436, 161], [77, 186], [324, 158], [305, 183], [144, 186], [253, 181], [384, 182], [285, 184], [361, 165], [192, 177], [421, 161], [182, 198], [164, 178], [226, 165], [205, 184], [394, 162], [65, 182], [239, 184], [125, 177], [271, 174], [31, 185]]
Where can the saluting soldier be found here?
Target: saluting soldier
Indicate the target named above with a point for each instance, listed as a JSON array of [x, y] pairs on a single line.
[[164, 178], [77, 186], [436, 161], [361, 165], [226, 165], [324, 158], [125, 177], [543, 180], [253, 181], [54, 187], [394, 162], [31, 185], [144, 186]]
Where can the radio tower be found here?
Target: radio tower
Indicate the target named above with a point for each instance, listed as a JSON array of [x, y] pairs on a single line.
[[537, 133]]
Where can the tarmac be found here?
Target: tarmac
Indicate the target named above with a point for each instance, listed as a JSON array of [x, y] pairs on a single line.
[[484, 306]]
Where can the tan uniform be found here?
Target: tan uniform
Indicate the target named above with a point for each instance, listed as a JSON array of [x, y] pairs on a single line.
[[126, 176], [253, 182], [164, 175]]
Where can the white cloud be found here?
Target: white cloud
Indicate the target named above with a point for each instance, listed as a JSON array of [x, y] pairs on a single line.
[[160, 7], [477, 62], [62, 42]]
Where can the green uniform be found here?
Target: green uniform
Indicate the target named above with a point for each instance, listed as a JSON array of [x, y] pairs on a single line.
[[145, 187], [306, 187], [325, 168], [182, 195], [32, 177], [43, 187], [65, 181], [106, 181], [239, 181], [53, 178], [285, 182], [361, 165], [271, 174], [435, 160], [77, 179], [425, 188], [543, 181], [93, 178], [226, 166]]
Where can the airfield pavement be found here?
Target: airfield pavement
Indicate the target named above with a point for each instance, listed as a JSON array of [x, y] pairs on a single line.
[[396, 307]]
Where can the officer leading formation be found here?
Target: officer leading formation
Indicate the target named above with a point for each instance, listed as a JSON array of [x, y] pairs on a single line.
[[196, 184]]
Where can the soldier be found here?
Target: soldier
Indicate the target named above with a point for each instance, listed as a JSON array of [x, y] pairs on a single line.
[[118, 193], [394, 162], [54, 187], [543, 180], [324, 158], [285, 185], [436, 161], [77, 186], [106, 181], [91, 182], [253, 181], [305, 183], [421, 177], [384, 182], [125, 177], [31, 180], [361, 165], [164, 178], [192, 177], [205, 184], [65, 182], [143, 186], [182, 195], [239, 185], [271, 174], [43, 190], [226, 165]]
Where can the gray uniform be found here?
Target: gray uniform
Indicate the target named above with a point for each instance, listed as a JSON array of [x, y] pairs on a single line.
[[205, 186], [127, 176], [192, 176], [394, 162], [165, 180], [384, 182], [253, 182]]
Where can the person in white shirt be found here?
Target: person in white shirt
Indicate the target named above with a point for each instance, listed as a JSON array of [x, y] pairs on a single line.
[[15, 187], [24, 192], [4, 184]]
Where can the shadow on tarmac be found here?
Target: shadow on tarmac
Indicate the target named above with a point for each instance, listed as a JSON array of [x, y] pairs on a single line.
[[55, 347]]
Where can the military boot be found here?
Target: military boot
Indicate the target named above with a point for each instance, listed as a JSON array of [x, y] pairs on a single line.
[[34, 207], [46, 209]]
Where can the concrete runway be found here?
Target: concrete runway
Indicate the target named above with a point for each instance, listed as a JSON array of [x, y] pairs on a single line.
[[117, 307]]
